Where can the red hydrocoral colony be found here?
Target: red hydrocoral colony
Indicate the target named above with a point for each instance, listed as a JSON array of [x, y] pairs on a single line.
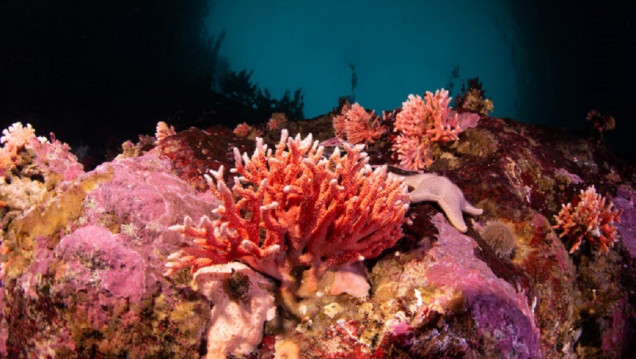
[[356, 125], [242, 129], [421, 123], [277, 121], [295, 208], [590, 218]]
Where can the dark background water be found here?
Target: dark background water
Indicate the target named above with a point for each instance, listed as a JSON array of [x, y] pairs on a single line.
[[99, 72]]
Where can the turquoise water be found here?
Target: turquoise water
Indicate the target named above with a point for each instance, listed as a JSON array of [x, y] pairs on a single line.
[[397, 48]]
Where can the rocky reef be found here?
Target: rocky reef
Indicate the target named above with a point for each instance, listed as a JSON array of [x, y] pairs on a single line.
[[84, 254]]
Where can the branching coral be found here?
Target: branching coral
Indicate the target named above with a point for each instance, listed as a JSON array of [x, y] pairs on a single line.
[[420, 124], [293, 209], [589, 217], [242, 129], [356, 125], [276, 121], [13, 139], [20, 146]]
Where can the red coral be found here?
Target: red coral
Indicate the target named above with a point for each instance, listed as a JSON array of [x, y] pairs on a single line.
[[278, 120], [242, 129], [356, 125], [590, 217], [246, 131], [421, 123], [294, 208]]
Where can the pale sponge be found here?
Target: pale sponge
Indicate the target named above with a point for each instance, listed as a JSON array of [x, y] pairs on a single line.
[[236, 324]]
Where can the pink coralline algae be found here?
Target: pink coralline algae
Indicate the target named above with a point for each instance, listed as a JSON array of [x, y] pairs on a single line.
[[447, 284], [420, 124], [293, 208], [90, 258], [356, 125], [624, 202], [589, 217], [88, 251]]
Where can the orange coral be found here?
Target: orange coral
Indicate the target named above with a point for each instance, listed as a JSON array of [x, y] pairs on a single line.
[[245, 130], [421, 123], [13, 139], [277, 121], [164, 131], [293, 208], [242, 129], [590, 217], [356, 125]]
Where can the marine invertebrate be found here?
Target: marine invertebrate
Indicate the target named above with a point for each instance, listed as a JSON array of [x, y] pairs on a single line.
[[431, 187], [356, 125], [242, 129], [49, 156], [246, 131], [589, 216], [295, 209], [236, 323], [13, 139], [500, 238], [163, 131], [420, 124], [276, 121]]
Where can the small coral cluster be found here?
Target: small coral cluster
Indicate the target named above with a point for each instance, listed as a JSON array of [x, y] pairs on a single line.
[[163, 131], [420, 124], [589, 217], [295, 209], [13, 139], [276, 121], [245, 130], [356, 125], [20, 147]]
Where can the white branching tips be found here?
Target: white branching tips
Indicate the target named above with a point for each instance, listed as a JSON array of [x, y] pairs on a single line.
[[295, 208]]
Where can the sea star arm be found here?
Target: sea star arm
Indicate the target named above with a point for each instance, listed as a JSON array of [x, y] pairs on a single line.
[[431, 187]]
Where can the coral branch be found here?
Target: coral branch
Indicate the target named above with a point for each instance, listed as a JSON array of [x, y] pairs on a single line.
[[590, 217], [356, 125], [293, 208], [420, 124]]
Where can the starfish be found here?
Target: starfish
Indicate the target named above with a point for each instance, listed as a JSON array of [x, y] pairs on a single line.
[[431, 187]]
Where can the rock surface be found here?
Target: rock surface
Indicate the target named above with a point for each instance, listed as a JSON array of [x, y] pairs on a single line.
[[83, 256]]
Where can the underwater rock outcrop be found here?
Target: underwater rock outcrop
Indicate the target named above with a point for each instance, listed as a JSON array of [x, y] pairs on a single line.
[[83, 255]]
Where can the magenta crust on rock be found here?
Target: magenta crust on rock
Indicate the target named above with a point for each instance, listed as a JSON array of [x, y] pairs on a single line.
[[103, 277]]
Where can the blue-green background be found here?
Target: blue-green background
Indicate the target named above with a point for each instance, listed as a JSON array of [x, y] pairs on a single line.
[[101, 71]]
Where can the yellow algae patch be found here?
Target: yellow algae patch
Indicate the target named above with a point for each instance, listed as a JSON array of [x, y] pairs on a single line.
[[49, 219]]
